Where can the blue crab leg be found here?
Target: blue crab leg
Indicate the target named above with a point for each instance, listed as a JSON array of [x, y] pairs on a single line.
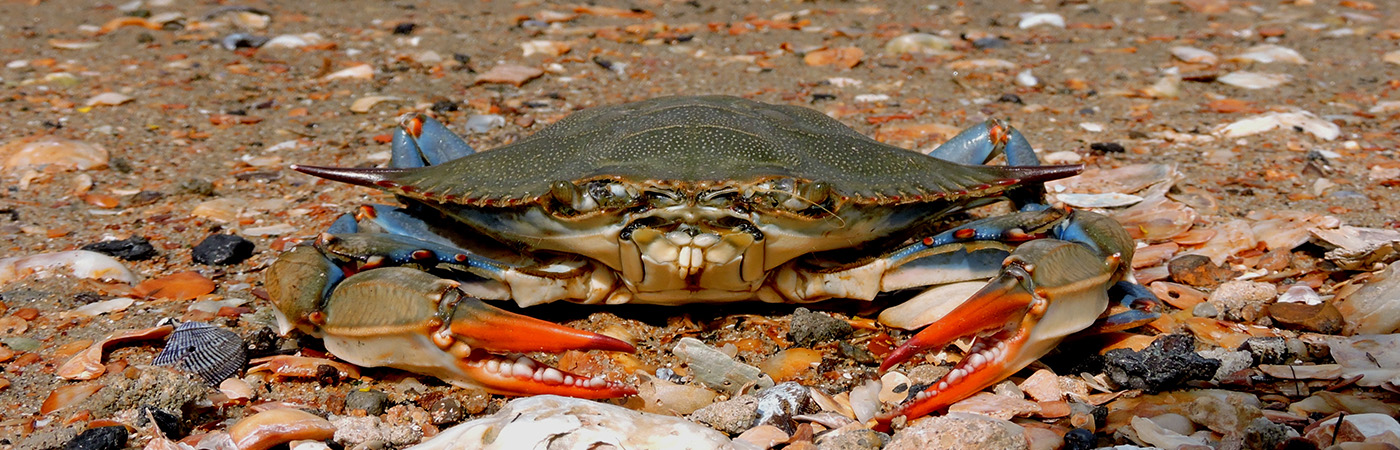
[[982, 142], [1047, 289], [421, 141]]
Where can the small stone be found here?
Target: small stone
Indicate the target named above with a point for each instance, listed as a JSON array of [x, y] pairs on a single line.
[[959, 430], [1079, 439], [135, 248], [1106, 147], [810, 328], [196, 186], [1265, 434], [853, 439], [1267, 350], [731, 416], [509, 74], [1168, 362], [1321, 318], [169, 424], [405, 28], [1231, 361], [222, 249], [1204, 309], [100, 438], [444, 411], [371, 401], [481, 123], [1197, 270], [777, 405], [1242, 301]]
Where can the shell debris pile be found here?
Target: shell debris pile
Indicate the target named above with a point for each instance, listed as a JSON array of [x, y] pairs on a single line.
[[1249, 147]]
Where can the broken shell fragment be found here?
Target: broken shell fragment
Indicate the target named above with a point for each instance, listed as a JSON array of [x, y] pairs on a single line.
[[52, 151], [65, 396], [364, 104], [509, 74], [279, 426], [82, 264], [1268, 53], [87, 364], [108, 99], [211, 352], [1254, 80], [1195, 55]]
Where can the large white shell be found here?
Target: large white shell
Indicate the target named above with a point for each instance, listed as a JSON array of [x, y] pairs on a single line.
[[80, 263], [550, 421]]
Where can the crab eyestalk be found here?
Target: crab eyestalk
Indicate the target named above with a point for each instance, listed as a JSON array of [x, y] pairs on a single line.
[[1047, 290]]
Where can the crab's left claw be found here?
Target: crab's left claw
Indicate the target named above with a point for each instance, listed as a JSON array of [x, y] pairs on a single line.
[[1047, 290]]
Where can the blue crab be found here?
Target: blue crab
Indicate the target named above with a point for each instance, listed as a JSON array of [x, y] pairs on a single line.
[[681, 200]]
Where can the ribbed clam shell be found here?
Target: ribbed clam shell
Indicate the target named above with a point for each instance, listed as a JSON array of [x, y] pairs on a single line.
[[211, 352]]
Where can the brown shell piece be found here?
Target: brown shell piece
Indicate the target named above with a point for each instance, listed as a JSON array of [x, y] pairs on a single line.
[[87, 364], [279, 426], [697, 141]]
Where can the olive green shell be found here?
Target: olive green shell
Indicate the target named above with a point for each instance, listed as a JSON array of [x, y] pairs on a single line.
[[691, 141]]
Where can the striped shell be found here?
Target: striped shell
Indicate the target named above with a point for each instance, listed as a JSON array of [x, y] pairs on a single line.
[[211, 352]]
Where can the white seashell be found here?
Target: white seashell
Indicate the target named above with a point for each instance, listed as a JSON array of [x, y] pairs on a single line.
[[918, 43], [843, 82], [1109, 200], [1194, 55], [1092, 127], [36, 152], [929, 305], [1392, 57], [359, 72], [81, 263], [1063, 157], [1026, 78], [293, 41], [364, 104], [1029, 20], [270, 230], [1304, 120], [545, 47], [108, 99], [865, 400], [99, 308], [1385, 107], [1254, 80], [560, 422], [871, 98], [1268, 53]]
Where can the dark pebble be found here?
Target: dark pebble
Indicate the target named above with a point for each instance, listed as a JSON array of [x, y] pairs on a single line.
[[1321, 318], [856, 353], [1079, 439], [1263, 433], [810, 328], [144, 198], [1010, 98], [371, 401], [100, 438], [1197, 270], [989, 43], [442, 106], [405, 28], [135, 248], [1106, 147], [169, 424], [222, 249], [263, 342], [236, 41], [196, 186], [1165, 364], [262, 176], [445, 411]]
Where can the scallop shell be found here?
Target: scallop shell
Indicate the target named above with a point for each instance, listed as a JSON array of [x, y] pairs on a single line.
[[211, 352]]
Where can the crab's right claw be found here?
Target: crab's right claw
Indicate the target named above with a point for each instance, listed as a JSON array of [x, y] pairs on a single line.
[[1047, 290]]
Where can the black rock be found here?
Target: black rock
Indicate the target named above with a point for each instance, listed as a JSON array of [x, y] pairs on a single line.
[[1106, 147], [856, 353], [1079, 439], [1010, 98], [135, 248], [446, 410], [442, 106], [263, 342], [222, 249], [811, 328], [196, 186], [405, 28], [371, 401], [1168, 362], [100, 438], [169, 424]]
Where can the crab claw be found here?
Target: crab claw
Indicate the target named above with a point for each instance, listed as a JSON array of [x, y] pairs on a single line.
[[411, 320], [1048, 289]]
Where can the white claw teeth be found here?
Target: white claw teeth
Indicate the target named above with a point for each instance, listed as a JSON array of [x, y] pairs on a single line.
[[568, 379], [976, 360], [492, 365], [551, 375], [596, 382]]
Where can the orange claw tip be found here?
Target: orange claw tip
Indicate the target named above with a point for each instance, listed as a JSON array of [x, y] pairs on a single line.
[[519, 375], [1001, 301], [486, 327]]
